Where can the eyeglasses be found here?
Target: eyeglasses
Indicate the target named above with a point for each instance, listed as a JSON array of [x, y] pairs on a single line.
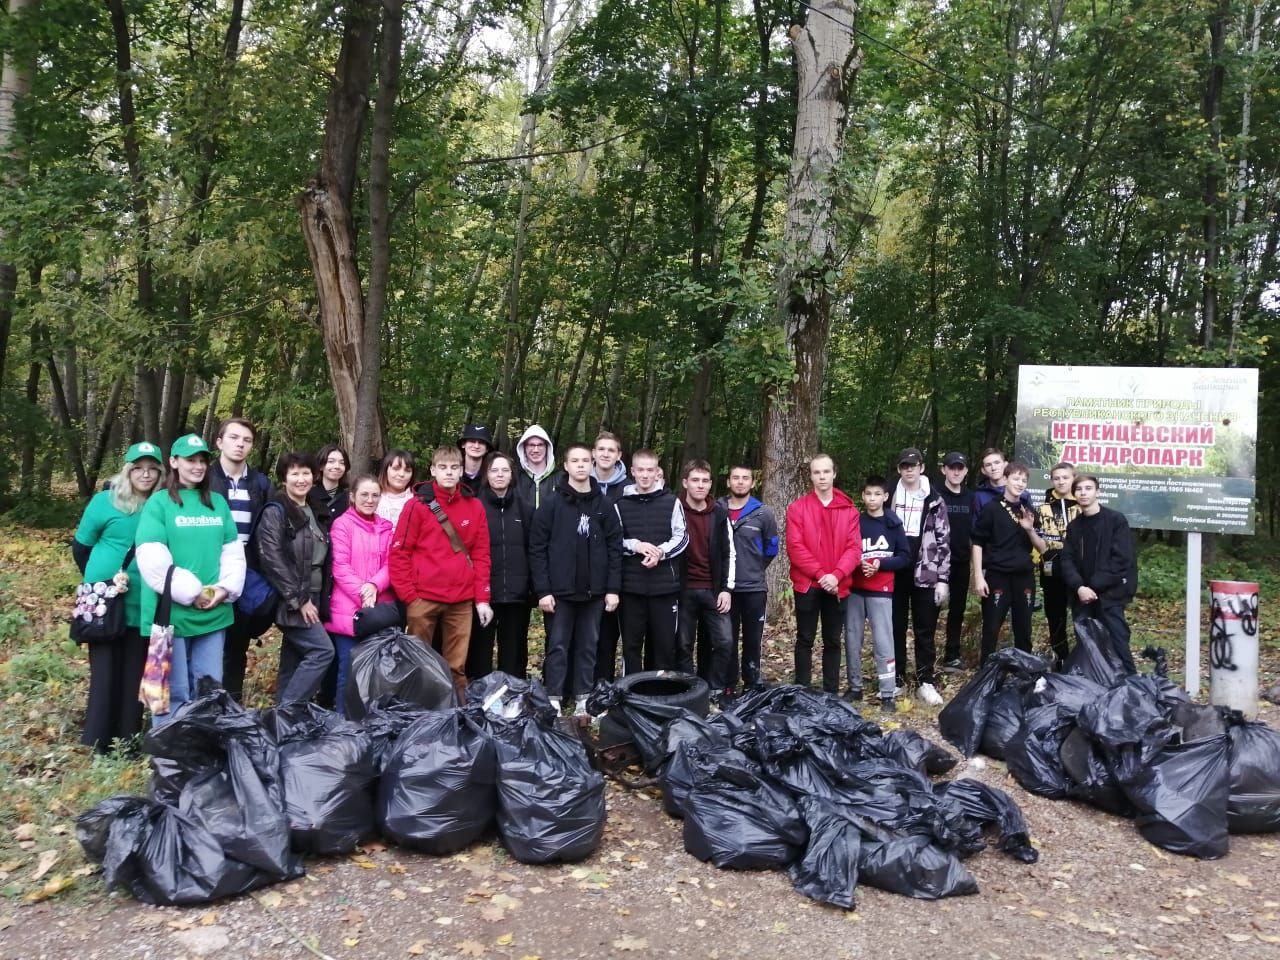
[[146, 469]]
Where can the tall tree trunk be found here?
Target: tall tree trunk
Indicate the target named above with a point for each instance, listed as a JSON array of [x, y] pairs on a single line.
[[15, 84], [825, 70], [1211, 112], [325, 207], [1252, 41]]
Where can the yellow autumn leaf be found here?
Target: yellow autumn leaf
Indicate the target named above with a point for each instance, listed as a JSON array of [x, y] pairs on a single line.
[[350, 941], [505, 940], [417, 949]]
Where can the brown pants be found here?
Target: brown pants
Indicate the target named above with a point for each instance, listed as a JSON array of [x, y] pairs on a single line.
[[455, 624]]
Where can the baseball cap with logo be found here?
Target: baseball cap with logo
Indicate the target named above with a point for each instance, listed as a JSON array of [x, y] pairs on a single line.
[[189, 446], [955, 459], [140, 450], [910, 455]]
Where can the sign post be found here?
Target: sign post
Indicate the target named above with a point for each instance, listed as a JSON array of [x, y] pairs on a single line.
[[1174, 448]]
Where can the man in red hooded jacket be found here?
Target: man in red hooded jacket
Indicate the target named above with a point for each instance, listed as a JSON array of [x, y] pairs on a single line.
[[824, 544], [439, 561]]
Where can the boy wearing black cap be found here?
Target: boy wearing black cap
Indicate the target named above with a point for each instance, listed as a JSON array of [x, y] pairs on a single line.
[[475, 441], [959, 501], [922, 587]]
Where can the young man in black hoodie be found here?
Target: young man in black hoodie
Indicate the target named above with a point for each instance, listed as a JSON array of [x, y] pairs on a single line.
[[653, 536], [575, 559], [1099, 565], [246, 491], [610, 472], [959, 501], [705, 570]]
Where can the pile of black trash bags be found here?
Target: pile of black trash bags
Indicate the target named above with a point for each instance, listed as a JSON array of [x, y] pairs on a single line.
[[789, 777], [237, 796], [1134, 745]]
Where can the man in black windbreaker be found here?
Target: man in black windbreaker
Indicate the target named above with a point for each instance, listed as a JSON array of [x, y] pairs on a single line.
[[1099, 565]]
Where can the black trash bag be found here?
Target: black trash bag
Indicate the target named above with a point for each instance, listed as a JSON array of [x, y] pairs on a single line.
[[398, 663], [437, 791], [1069, 691], [220, 767], [891, 800], [1254, 805], [963, 720], [913, 866], [1130, 725], [510, 698], [823, 710], [791, 753], [550, 800], [1093, 655], [990, 805], [912, 750], [387, 718], [1181, 797], [1005, 716], [326, 765], [828, 871], [161, 856], [687, 743], [1196, 721], [1033, 755], [1090, 778], [740, 821], [644, 716]]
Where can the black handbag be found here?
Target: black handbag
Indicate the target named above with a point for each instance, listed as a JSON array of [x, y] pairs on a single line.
[[99, 609]]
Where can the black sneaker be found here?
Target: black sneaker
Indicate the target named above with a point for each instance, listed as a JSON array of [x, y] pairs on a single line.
[[851, 696], [953, 666], [887, 705]]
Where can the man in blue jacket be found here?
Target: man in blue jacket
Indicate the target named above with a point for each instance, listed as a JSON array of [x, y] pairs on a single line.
[[755, 544]]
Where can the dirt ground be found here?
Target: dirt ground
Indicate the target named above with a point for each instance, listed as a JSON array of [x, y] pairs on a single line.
[[1098, 890]]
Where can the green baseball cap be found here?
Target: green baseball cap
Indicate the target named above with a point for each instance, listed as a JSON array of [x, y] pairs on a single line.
[[189, 446], [143, 449]]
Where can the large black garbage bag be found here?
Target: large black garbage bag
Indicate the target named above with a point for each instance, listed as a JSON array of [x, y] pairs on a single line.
[[828, 871], [912, 750], [1069, 691], [510, 698], [644, 716], [1089, 776], [689, 743], [550, 800], [1033, 755], [326, 765], [437, 790], [990, 805], [963, 720], [1005, 716], [791, 753], [1093, 655], [387, 718], [1181, 797], [161, 856], [220, 767], [398, 663], [1254, 805], [740, 821], [913, 866], [1130, 725]]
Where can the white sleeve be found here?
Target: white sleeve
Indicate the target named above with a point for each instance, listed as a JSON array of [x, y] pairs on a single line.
[[679, 536], [154, 561], [231, 569]]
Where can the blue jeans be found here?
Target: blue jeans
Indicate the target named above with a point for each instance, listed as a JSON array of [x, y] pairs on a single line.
[[343, 647], [193, 659]]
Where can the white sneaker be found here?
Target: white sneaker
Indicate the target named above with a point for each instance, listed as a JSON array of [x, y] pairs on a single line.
[[929, 695], [555, 702], [580, 707]]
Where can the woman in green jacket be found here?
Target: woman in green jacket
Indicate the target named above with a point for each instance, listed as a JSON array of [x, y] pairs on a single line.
[[104, 552]]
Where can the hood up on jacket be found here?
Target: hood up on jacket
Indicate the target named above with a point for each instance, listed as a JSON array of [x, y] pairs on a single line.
[[536, 431]]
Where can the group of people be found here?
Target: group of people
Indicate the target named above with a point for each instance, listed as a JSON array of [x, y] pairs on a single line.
[[677, 578]]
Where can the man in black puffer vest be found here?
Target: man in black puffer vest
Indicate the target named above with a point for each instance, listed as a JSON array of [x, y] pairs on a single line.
[[653, 535]]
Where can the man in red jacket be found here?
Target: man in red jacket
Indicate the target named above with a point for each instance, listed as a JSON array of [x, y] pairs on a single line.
[[824, 543], [439, 561]]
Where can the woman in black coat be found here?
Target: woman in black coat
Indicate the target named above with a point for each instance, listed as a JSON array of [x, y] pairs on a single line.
[[512, 602], [293, 551]]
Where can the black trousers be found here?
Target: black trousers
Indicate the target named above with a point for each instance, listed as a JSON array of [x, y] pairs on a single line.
[[918, 602], [649, 627], [235, 650], [1013, 594], [699, 618], [1057, 599], [607, 647], [575, 624], [115, 673], [746, 627], [509, 628], [813, 606], [961, 571]]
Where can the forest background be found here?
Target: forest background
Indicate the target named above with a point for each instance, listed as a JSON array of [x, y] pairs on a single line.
[[377, 220]]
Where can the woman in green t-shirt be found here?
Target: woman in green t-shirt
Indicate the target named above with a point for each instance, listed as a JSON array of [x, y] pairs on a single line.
[[103, 550], [190, 528]]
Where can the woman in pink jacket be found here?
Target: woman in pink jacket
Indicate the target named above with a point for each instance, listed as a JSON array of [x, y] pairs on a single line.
[[360, 542]]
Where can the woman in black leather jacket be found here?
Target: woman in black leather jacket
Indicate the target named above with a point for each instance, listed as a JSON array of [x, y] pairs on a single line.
[[293, 551]]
